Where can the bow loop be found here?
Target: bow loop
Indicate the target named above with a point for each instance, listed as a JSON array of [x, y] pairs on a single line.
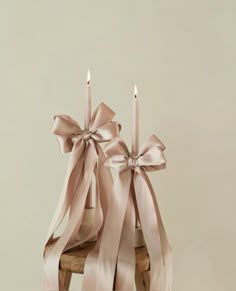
[[65, 128], [101, 116], [152, 141], [117, 154], [151, 156], [106, 132]]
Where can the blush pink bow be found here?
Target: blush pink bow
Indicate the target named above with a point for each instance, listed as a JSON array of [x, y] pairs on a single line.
[[114, 264], [87, 158]]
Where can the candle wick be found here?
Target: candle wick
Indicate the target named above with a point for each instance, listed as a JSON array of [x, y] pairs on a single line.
[[135, 91], [88, 77]]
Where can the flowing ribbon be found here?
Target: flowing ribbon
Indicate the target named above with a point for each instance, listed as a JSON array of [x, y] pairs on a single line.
[[114, 263], [87, 158]]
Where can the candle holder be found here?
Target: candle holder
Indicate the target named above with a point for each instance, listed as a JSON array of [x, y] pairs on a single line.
[[87, 224], [139, 239], [86, 160]]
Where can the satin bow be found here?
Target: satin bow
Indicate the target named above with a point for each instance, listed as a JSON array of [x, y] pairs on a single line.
[[150, 158], [86, 158], [133, 197]]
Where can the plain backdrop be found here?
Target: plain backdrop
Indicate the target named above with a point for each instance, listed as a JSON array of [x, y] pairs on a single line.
[[182, 56]]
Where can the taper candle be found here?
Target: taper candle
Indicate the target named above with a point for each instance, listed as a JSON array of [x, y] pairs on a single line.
[[88, 103], [135, 139], [89, 200], [135, 132]]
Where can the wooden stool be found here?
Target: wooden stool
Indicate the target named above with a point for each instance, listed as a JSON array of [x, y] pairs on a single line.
[[73, 261]]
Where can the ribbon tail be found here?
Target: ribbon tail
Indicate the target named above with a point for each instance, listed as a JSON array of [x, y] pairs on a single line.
[[74, 169], [125, 271], [151, 231], [110, 242], [53, 254], [105, 181], [166, 248], [104, 185], [98, 221]]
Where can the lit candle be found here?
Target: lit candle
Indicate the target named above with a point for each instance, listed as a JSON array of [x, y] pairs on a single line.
[[89, 200], [88, 103], [135, 137]]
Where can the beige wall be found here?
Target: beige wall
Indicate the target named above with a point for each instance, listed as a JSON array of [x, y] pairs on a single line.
[[182, 55]]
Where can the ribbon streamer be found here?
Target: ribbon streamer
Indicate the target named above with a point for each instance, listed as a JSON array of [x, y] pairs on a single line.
[[114, 260], [86, 160]]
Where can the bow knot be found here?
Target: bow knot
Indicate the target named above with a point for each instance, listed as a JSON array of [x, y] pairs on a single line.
[[133, 162], [85, 135]]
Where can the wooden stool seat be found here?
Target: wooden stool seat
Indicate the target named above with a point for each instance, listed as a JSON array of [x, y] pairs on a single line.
[[73, 261]]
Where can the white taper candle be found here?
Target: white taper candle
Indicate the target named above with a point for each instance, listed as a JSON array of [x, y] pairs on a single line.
[[135, 132], [89, 200], [88, 103]]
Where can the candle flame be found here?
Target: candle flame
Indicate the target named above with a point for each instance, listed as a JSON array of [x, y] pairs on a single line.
[[135, 91], [88, 77]]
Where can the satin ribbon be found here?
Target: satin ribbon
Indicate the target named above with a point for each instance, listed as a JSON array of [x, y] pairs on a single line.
[[114, 262], [87, 159]]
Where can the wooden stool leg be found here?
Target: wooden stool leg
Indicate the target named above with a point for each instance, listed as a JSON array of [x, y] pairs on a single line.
[[142, 281], [65, 278], [146, 278]]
